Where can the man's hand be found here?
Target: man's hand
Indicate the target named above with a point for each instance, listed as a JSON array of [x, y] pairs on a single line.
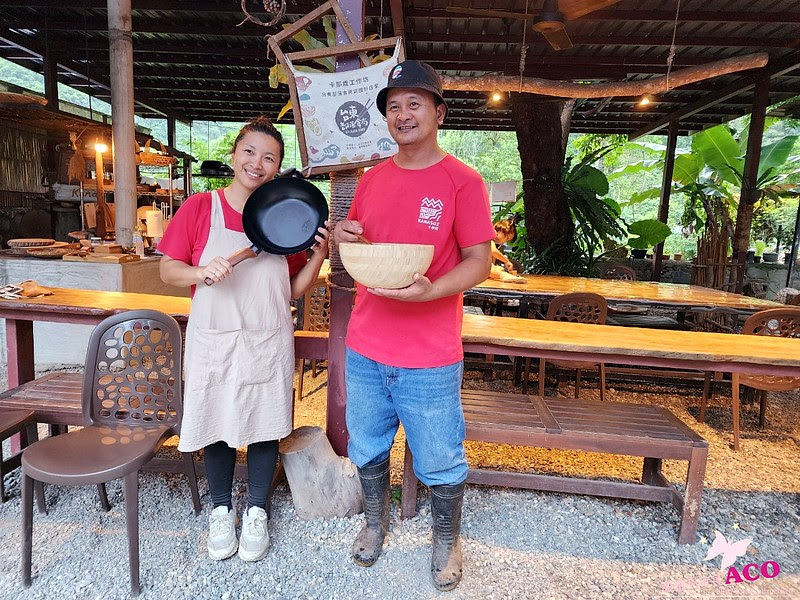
[[419, 291], [347, 231]]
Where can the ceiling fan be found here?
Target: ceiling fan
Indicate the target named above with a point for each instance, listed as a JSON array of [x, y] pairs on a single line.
[[549, 21]]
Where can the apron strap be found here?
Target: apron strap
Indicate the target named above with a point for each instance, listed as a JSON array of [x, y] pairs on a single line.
[[217, 216]]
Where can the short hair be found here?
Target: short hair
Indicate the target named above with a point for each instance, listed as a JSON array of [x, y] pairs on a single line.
[[260, 124], [507, 227]]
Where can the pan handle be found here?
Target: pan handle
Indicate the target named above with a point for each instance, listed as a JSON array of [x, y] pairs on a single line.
[[238, 257]]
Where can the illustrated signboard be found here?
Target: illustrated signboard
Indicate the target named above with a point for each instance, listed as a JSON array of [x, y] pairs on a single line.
[[341, 122], [339, 127]]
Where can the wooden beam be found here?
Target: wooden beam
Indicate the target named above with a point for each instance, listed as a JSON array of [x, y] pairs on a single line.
[[742, 85], [566, 89], [652, 16], [398, 18]]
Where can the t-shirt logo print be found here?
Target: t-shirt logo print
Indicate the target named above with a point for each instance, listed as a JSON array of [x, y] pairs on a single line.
[[430, 213]]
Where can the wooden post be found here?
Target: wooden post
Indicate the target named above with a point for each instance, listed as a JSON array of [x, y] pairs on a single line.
[[748, 195], [341, 298], [666, 187], [100, 211], [50, 69], [121, 65]]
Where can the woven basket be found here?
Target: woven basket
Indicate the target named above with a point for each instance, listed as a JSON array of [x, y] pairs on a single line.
[[150, 157], [385, 265]]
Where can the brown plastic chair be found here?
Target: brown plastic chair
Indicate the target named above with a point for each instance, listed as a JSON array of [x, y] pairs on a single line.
[[778, 322], [617, 271], [580, 307], [13, 422], [132, 403]]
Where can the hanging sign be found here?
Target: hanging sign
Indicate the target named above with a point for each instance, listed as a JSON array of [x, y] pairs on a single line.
[[341, 124], [339, 127]]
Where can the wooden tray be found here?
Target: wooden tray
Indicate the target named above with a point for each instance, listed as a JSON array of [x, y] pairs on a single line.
[[102, 258], [29, 242], [49, 251]]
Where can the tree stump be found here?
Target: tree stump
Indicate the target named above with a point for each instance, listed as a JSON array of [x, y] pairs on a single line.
[[322, 483]]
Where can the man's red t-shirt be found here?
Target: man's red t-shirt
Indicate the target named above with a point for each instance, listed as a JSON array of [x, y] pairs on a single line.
[[445, 205], [187, 234]]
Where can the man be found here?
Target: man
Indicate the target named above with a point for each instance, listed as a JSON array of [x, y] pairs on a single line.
[[404, 360]]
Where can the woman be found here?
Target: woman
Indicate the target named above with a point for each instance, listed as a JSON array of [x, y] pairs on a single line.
[[505, 231], [239, 339]]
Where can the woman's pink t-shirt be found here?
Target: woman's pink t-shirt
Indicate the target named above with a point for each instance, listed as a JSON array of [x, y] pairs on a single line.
[[187, 234]]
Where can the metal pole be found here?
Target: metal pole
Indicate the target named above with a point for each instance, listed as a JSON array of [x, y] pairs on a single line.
[[795, 244]]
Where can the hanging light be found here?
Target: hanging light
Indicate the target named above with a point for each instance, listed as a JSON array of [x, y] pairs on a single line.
[[645, 101], [497, 97], [100, 147]]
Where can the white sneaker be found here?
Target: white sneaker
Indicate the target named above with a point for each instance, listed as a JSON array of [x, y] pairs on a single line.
[[254, 543], [222, 541]]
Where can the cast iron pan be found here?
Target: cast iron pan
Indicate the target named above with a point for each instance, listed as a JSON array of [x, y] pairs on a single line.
[[281, 217]]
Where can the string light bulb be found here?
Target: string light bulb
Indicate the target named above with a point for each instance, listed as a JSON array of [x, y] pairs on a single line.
[[496, 97], [645, 101]]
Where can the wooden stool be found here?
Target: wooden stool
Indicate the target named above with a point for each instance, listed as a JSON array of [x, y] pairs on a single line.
[[11, 423]]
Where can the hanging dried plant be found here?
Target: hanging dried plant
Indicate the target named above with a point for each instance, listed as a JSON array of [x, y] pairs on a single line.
[[273, 7]]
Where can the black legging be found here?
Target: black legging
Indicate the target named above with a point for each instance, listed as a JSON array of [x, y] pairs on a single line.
[[262, 457]]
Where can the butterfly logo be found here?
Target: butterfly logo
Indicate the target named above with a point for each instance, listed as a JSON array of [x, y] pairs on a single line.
[[730, 551]]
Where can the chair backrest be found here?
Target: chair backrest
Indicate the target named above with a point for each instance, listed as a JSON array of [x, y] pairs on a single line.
[[133, 371], [778, 322], [580, 307], [617, 271], [317, 309]]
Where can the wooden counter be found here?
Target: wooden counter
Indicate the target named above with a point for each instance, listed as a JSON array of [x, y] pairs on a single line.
[[139, 276]]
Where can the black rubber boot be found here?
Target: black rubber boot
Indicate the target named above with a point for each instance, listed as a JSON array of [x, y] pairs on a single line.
[[446, 501], [369, 542]]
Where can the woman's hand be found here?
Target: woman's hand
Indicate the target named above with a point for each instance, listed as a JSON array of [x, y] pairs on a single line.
[[217, 270], [321, 247], [347, 231]]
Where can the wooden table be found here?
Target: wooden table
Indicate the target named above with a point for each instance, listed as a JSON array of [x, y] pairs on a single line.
[[493, 335], [89, 307], [679, 296], [706, 351]]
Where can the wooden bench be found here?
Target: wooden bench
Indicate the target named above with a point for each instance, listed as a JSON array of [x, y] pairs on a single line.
[[651, 432], [54, 398]]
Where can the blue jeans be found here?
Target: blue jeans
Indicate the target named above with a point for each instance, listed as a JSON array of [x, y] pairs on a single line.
[[428, 404]]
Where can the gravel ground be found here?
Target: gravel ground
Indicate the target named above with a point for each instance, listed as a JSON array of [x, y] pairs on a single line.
[[517, 544]]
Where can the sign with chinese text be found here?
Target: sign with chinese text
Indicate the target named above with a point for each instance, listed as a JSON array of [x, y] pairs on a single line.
[[341, 124]]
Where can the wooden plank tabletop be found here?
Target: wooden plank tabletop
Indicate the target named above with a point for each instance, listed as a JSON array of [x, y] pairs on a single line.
[[645, 292], [66, 302], [632, 342]]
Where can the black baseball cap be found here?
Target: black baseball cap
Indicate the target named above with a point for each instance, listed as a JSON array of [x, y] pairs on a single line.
[[411, 74]]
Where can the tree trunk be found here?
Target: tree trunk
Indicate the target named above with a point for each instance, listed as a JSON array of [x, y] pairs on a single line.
[[744, 224], [541, 129]]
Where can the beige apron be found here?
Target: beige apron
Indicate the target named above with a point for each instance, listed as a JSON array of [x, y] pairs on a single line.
[[239, 359]]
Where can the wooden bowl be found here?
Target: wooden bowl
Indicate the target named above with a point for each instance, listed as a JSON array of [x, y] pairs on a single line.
[[385, 265]]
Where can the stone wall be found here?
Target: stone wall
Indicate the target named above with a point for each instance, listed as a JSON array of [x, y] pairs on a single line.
[[773, 275]]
